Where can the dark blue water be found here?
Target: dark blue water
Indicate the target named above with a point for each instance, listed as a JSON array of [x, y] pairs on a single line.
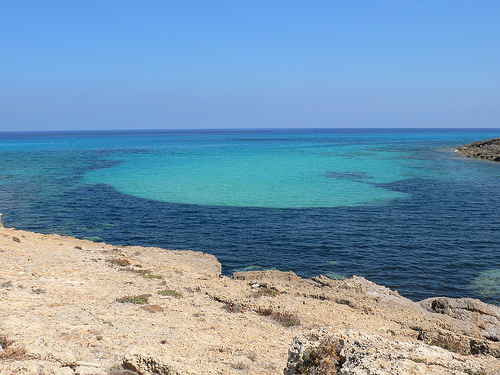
[[441, 237]]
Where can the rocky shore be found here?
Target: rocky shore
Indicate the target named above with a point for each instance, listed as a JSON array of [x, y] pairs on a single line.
[[70, 306], [489, 149]]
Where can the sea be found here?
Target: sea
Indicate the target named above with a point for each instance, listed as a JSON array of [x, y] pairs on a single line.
[[400, 207]]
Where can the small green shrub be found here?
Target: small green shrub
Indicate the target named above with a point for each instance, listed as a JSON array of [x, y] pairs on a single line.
[[148, 274], [324, 359], [170, 292], [233, 308], [141, 299], [8, 352], [152, 308], [38, 291], [265, 312], [475, 372], [122, 262], [113, 369], [449, 344], [5, 342], [240, 365], [7, 284], [284, 318]]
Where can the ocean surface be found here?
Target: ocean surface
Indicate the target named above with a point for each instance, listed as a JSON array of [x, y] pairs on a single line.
[[397, 206]]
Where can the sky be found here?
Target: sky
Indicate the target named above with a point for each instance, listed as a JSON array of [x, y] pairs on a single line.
[[168, 64]]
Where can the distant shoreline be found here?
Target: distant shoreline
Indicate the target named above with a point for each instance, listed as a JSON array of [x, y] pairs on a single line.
[[233, 130], [488, 149]]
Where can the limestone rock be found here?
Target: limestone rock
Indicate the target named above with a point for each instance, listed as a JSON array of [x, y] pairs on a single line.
[[489, 149], [266, 275], [64, 371], [62, 312], [378, 292], [89, 370], [485, 316], [150, 364], [353, 352], [123, 372]]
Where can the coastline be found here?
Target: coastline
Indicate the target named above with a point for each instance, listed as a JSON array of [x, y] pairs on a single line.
[[488, 149], [71, 306], [343, 240]]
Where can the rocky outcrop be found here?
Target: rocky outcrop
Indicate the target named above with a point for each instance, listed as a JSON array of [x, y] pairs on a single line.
[[70, 306], [353, 352], [483, 315], [147, 363], [489, 149]]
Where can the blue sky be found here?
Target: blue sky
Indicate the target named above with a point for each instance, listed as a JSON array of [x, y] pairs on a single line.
[[84, 65]]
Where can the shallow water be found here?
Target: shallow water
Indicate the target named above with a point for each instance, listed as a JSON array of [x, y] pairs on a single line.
[[399, 207]]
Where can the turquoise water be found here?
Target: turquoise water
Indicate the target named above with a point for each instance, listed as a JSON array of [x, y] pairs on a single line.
[[281, 174], [399, 207], [292, 170]]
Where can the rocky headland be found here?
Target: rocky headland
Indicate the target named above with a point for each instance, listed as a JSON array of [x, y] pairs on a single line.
[[489, 149], [70, 306]]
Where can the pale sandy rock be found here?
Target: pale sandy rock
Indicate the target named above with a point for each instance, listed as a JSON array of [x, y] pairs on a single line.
[[358, 353], [21, 368], [89, 370], [275, 276], [64, 371], [60, 308], [149, 364], [33, 366], [483, 315]]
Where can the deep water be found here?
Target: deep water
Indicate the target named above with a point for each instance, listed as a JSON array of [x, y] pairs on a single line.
[[427, 225]]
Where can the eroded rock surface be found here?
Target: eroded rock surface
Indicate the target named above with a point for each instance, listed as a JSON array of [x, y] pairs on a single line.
[[489, 149], [483, 315], [70, 306], [351, 353]]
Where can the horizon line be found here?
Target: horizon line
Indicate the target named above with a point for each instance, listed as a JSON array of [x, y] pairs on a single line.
[[239, 129]]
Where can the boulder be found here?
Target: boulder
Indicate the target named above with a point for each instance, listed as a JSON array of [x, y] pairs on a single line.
[[150, 363], [353, 352], [485, 316]]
